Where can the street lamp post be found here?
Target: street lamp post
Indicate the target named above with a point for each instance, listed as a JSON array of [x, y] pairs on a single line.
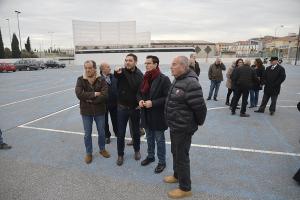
[[276, 28], [9, 30], [51, 49], [18, 12]]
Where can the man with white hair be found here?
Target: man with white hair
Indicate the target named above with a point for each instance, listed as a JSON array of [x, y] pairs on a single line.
[[216, 77], [185, 110]]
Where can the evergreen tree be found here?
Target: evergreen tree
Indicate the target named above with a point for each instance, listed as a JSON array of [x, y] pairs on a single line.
[[2, 53], [28, 45], [16, 53]]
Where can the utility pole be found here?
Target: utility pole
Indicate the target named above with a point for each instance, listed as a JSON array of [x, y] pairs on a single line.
[[297, 53], [9, 30], [18, 12]]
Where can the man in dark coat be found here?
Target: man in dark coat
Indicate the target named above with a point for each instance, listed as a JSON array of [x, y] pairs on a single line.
[[243, 78], [194, 65], [129, 81], [111, 104], [273, 78], [185, 110], [152, 96]]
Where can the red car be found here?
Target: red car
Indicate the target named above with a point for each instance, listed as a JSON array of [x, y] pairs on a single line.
[[7, 67]]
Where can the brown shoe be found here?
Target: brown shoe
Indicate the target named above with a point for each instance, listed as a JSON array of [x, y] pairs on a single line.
[[170, 179], [120, 160], [105, 153], [178, 193], [137, 155], [88, 159], [130, 143]]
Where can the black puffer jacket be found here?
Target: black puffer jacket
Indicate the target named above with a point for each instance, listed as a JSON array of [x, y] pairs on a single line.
[[185, 107], [244, 77]]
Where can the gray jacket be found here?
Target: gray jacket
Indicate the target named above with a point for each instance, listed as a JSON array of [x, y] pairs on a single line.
[[185, 107]]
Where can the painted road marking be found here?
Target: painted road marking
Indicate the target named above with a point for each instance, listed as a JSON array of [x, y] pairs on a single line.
[[8, 104], [168, 142]]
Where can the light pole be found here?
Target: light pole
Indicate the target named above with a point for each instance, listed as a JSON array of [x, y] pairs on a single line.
[[51, 40], [276, 28], [9, 30], [18, 12]]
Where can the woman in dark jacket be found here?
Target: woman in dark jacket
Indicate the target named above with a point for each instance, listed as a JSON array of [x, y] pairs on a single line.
[[254, 92]]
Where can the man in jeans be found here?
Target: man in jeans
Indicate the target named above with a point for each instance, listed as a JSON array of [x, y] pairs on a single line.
[[91, 90], [185, 110], [151, 96], [129, 81], [2, 144], [216, 77]]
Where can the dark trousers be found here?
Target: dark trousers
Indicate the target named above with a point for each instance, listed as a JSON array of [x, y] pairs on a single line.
[[228, 95], [237, 95], [180, 147], [265, 100], [112, 110], [124, 114]]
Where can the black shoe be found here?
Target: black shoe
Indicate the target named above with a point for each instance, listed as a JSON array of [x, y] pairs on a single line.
[[120, 160], [272, 112], [259, 111], [137, 155], [159, 168], [107, 140], [227, 103], [215, 99], [244, 115], [208, 98], [4, 146], [233, 113], [147, 161]]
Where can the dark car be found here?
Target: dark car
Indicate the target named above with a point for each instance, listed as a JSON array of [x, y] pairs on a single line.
[[27, 65], [54, 64], [7, 67]]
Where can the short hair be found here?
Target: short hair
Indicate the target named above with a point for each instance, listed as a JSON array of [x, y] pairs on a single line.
[[133, 55], [247, 62], [184, 61], [192, 54], [91, 62], [237, 61], [154, 59]]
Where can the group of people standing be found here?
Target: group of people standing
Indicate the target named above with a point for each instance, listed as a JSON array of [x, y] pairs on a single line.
[[149, 101], [244, 78]]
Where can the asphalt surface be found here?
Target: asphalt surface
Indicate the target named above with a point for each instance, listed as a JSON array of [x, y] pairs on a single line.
[[231, 157]]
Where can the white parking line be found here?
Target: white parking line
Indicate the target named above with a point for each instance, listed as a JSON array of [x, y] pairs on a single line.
[[193, 145], [35, 97]]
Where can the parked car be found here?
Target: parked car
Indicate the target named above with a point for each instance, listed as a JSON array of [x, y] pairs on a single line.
[[7, 67], [27, 65], [41, 64], [54, 64]]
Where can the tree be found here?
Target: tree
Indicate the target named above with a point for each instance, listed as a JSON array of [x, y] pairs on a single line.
[[16, 53], [207, 51], [197, 49], [7, 53], [2, 53], [28, 45]]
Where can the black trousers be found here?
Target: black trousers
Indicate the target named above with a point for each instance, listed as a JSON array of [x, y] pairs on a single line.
[[237, 95], [112, 110], [265, 100], [228, 95], [180, 147]]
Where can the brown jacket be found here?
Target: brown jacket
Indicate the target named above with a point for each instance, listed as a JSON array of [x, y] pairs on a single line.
[[85, 92], [215, 72]]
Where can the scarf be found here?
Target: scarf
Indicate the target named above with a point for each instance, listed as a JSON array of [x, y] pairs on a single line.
[[148, 78]]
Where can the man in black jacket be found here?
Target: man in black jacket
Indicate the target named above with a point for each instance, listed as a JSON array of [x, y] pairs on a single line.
[[129, 81], [152, 96], [194, 65], [185, 110], [243, 78], [273, 78], [111, 103]]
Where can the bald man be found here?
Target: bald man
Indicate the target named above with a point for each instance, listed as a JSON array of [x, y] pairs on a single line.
[[185, 110], [112, 100]]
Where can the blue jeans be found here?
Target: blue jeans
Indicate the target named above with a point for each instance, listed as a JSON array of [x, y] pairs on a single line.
[[88, 128], [159, 137], [1, 139], [214, 85], [254, 97], [123, 115]]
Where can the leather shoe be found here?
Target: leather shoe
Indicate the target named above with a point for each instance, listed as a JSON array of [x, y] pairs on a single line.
[[170, 179], [88, 158], [244, 115], [120, 160], [271, 112], [137, 155], [159, 168], [147, 161], [178, 193]]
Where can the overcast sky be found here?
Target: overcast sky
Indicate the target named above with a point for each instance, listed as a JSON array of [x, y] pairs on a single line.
[[210, 20]]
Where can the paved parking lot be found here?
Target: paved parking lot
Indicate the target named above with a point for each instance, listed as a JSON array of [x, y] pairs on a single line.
[[231, 157]]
